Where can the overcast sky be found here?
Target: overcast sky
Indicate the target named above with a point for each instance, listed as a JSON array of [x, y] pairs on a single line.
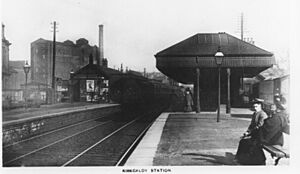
[[135, 30]]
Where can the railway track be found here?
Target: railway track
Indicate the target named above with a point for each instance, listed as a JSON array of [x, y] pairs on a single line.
[[105, 141]]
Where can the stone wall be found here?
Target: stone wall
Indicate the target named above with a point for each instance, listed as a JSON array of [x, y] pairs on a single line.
[[23, 129]]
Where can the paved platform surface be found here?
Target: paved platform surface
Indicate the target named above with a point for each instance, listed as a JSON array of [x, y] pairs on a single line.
[[190, 139], [44, 110]]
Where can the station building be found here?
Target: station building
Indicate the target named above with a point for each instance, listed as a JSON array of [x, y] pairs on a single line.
[[193, 61], [91, 82]]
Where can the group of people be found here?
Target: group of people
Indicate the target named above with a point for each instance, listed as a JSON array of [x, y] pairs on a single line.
[[264, 129]]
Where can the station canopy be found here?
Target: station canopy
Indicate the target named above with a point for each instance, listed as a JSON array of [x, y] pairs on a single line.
[[199, 51]]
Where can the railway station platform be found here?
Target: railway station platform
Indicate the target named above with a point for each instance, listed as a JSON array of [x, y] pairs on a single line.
[[44, 110], [190, 139], [20, 124]]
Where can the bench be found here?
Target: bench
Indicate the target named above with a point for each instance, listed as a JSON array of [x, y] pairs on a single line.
[[276, 151]]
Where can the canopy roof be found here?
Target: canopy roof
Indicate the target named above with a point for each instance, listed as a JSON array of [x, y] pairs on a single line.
[[199, 51], [180, 60], [94, 71]]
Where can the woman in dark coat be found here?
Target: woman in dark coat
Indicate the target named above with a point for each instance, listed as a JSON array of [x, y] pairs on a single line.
[[249, 150], [188, 101], [272, 131]]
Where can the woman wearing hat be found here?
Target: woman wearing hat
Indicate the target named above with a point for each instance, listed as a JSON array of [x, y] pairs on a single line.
[[258, 118], [188, 101], [249, 150]]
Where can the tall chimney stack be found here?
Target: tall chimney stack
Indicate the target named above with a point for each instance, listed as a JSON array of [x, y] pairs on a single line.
[[101, 56], [3, 31]]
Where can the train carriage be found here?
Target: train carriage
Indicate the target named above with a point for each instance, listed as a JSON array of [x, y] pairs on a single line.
[[131, 90]]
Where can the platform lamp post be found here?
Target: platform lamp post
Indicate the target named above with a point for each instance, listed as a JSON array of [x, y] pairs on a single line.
[[219, 59], [26, 71]]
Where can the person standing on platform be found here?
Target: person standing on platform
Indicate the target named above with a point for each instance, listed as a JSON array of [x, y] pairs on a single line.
[[249, 150], [188, 101]]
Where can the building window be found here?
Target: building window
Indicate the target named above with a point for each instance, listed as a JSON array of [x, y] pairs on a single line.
[[37, 70]]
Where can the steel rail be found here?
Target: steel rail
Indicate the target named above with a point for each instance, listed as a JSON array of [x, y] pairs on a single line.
[[103, 139], [39, 149], [47, 133]]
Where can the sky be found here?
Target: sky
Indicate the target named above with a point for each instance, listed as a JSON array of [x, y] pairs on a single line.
[[135, 30]]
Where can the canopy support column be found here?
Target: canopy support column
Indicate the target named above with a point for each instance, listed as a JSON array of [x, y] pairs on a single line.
[[197, 90], [228, 106]]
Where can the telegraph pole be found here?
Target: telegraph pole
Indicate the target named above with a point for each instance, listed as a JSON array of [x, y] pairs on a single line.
[[53, 63], [242, 26]]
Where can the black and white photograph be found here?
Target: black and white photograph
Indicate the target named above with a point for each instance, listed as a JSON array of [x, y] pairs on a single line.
[[148, 86]]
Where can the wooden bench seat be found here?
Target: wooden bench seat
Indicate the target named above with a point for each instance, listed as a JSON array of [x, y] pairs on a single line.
[[276, 151]]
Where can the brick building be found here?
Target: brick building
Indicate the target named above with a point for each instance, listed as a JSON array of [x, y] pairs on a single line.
[[19, 76], [69, 56], [6, 72]]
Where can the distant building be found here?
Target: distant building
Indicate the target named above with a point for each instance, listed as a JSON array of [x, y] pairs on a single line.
[[270, 82], [12, 76], [69, 57], [5, 62], [266, 85], [134, 72], [19, 78], [162, 78]]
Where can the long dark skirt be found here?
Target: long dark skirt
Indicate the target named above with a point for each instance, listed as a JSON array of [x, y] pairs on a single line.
[[188, 108], [250, 153]]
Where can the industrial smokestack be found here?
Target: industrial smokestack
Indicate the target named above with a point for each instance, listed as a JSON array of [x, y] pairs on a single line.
[[3, 31], [101, 52]]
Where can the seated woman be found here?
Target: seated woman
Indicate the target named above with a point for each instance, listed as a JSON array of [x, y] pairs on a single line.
[[250, 151]]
